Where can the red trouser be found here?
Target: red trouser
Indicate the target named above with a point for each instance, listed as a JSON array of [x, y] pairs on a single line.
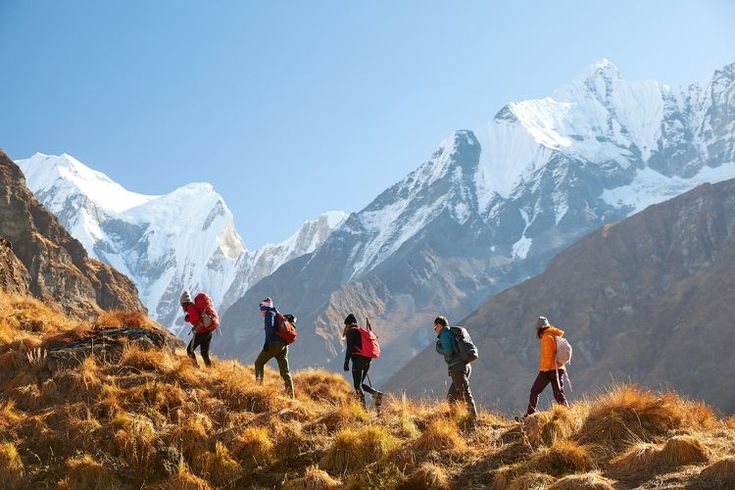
[[543, 379]]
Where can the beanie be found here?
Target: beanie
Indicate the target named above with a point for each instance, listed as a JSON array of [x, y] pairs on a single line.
[[266, 304], [185, 298], [542, 322], [350, 320]]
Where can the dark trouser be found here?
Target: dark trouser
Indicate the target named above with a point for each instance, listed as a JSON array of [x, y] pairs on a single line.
[[360, 367], [460, 389], [280, 352], [200, 340], [543, 379]]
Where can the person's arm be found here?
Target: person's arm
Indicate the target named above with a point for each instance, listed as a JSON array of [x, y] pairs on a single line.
[[350, 347], [270, 325]]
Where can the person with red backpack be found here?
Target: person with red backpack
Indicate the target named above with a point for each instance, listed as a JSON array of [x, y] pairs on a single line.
[[279, 332], [362, 348], [202, 316]]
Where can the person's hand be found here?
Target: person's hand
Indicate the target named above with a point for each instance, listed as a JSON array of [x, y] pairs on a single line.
[[347, 366]]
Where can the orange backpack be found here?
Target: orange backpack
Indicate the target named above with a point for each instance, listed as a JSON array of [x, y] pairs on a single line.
[[286, 329]]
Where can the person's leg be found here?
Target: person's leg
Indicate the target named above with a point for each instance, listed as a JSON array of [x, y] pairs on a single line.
[[365, 365], [456, 390], [538, 386], [558, 389], [467, 392], [282, 359], [264, 356], [206, 340], [357, 377], [193, 344]]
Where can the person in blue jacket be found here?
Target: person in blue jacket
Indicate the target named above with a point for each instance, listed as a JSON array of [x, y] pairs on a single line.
[[459, 370], [274, 346]]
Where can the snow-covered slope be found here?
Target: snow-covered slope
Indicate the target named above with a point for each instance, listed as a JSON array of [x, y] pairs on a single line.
[[492, 205], [184, 239]]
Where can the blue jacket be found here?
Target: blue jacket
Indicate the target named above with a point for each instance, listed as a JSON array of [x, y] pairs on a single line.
[[271, 327], [446, 346]]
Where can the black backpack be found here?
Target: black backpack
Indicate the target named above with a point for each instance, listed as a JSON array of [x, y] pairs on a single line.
[[465, 348]]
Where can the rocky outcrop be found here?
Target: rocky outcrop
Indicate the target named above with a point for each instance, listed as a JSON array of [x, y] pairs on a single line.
[[13, 274], [647, 299], [57, 266]]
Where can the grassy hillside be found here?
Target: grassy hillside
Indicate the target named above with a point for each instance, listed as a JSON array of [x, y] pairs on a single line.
[[82, 408]]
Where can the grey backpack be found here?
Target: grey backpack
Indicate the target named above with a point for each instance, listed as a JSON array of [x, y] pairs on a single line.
[[466, 349]]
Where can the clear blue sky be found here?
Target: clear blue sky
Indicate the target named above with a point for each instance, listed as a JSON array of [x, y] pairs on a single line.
[[294, 108]]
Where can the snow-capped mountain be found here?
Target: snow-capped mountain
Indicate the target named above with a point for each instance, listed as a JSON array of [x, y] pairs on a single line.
[[182, 240], [493, 205]]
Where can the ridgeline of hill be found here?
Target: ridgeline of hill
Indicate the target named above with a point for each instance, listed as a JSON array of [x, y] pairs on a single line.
[[117, 404]]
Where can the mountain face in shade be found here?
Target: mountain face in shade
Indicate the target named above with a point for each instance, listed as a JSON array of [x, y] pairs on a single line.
[[647, 299], [39, 256], [491, 206], [166, 243]]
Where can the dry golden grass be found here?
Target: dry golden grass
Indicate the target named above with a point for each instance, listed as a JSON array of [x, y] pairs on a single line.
[[589, 481], [85, 472], [143, 417], [313, 479], [11, 466], [629, 414], [356, 448], [532, 481], [117, 318], [428, 476], [720, 474]]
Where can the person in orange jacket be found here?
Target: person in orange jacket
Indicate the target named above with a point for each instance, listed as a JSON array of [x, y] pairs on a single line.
[[547, 366]]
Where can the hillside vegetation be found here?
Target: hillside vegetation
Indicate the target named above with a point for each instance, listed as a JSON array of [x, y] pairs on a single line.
[[83, 406]]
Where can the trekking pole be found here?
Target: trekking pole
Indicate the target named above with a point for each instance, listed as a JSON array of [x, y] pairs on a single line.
[[367, 323]]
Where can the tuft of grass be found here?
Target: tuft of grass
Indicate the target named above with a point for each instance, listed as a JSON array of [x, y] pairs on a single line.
[[562, 458], [254, 444], [544, 428], [532, 481], [11, 466], [356, 448], [86, 473], [220, 467], [136, 443], [681, 451], [588, 481], [442, 436], [118, 318], [313, 479], [629, 414], [635, 461], [183, 479], [720, 474], [428, 476], [344, 415]]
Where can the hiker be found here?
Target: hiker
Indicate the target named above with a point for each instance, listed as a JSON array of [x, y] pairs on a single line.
[[274, 346], [459, 370], [202, 316], [550, 371], [361, 356]]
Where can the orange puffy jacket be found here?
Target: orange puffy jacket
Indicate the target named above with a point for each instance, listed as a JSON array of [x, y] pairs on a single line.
[[548, 349]]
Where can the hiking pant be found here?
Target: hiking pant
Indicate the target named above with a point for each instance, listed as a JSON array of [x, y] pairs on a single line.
[[460, 389], [360, 367], [280, 352], [543, 379], [201, 340]]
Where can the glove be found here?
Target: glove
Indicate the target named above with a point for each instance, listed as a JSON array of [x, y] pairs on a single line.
[[347, 366]]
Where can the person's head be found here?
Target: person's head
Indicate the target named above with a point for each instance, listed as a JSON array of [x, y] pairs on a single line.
[[265, 306], [350, 321], [440, 323], [185, 299], [541, 325]]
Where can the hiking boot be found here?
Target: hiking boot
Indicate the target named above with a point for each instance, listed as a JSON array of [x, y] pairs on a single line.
[[378, 399]]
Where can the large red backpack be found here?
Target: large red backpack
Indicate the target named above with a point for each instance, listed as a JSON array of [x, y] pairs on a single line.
[[285, 329], [370, 347], [210, 318]]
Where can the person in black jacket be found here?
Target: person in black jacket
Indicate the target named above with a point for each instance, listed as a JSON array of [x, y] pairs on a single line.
[[360, 364]]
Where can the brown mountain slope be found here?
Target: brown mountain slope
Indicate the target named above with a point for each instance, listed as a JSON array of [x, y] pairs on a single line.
[[57, 266], [649, 299], [13, 274]]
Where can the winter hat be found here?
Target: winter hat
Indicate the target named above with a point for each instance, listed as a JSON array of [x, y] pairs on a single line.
[[350, 320], [542, 322], [185, 298], [266, 304]]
